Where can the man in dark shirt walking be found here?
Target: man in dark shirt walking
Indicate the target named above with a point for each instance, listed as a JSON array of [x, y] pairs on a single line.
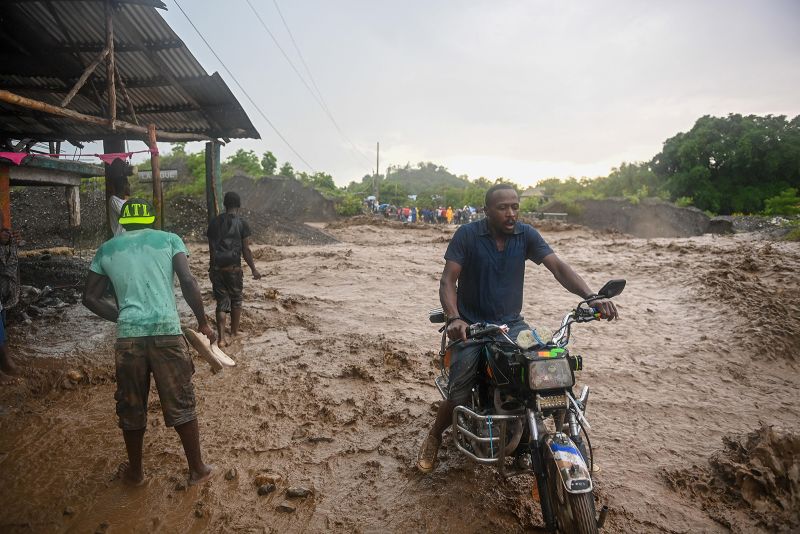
[[229, 240], [482, 281]]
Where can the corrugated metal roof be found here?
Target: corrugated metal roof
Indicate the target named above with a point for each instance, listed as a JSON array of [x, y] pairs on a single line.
[[46, 45]]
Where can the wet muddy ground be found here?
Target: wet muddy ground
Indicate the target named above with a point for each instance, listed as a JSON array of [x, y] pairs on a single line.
[[333, 392]]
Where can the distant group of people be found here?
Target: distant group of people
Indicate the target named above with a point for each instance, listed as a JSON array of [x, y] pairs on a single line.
[[438, 215], [131, 283]]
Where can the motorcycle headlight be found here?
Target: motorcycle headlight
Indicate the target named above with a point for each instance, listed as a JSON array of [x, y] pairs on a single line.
[[550, 374]]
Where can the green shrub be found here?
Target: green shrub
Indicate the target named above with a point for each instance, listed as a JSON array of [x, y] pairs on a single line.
[[350, 205], [787, 203], [684, 202]]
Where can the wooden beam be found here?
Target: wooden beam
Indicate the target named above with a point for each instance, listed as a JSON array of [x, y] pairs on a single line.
[[77, 169], [158, 192], [128, 101], [25, 175], [110, 69], [85, 76], [140, 131]]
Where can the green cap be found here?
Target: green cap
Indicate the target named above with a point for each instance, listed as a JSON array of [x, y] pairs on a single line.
[[137, 211]]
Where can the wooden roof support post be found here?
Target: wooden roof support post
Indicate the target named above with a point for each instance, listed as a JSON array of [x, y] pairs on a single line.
[[213, 179], [5, 196], [110, 69], [73, 194], [158, 193]]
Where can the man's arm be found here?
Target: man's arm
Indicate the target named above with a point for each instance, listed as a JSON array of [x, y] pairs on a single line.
[[573, 283], [211, 254], [93, 297], [457, 329], [191, 293], [248, 257]]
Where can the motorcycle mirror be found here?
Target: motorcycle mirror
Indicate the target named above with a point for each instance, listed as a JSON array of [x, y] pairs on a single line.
[[612, 288]]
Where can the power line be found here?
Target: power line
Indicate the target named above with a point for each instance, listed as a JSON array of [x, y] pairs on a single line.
[[318, 99], [300, 54], [274, 128]]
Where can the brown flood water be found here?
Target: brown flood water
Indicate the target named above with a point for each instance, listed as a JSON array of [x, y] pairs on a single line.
[[333, 391]]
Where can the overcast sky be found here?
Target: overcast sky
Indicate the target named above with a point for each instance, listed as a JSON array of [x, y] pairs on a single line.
[[521, 89]]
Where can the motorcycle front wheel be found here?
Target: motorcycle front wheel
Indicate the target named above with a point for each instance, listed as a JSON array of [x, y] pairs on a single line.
[[574, 512]]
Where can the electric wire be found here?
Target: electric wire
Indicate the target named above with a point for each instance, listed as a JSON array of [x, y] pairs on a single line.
[[246, 94], [300, 54], [314, 95]]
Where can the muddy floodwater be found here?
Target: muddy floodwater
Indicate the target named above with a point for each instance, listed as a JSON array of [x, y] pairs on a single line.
[[693, 405]]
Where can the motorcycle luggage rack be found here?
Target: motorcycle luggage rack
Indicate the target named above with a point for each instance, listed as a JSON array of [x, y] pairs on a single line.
[[498, 441]]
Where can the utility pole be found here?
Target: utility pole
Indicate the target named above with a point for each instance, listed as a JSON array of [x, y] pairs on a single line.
[[377, 172]]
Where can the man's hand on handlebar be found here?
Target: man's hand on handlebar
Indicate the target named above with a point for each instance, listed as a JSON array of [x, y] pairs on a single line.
[[457, 330], [606, 308]]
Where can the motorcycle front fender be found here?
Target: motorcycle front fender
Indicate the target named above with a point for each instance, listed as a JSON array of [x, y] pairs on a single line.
[[572, 470]]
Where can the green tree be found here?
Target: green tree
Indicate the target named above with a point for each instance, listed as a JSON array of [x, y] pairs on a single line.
[[731, 164], [322, 182], [269, 163], [287, 170], [243, 161]]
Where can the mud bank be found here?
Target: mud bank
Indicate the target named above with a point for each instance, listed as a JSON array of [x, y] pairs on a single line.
[[333, 392], [756, 476], [649, 218]]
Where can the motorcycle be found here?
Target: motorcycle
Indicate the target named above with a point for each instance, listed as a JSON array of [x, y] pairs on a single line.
[[523, 407]]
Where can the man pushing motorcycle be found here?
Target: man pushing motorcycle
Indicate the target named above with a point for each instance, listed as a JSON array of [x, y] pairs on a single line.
[[482, 281]]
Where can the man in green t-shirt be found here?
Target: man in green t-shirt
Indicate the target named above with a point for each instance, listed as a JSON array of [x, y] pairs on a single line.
[[141, 264]]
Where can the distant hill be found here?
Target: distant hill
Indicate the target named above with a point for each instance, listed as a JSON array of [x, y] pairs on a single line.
[[425, 177]]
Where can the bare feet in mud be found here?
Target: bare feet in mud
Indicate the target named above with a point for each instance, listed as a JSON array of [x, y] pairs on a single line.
[[127, 476], [201, 476]]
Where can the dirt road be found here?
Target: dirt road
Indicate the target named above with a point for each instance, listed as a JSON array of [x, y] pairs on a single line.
[[333, 392]]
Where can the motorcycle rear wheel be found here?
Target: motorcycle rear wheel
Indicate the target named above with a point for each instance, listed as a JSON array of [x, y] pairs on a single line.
[[574, 512]]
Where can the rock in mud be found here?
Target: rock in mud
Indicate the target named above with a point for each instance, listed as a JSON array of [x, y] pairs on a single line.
[[285, 507], [69, 510], [266, 489], [180, 486], [102, 528], [267, 478], [298, 492], [720, 225], [74, 375], [231, 474]]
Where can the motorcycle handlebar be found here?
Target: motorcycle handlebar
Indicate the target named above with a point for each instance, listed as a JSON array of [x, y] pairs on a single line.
[[478, 330]]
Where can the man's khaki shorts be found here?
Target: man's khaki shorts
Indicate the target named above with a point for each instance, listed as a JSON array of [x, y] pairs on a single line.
[[227, 284], [170, 363]]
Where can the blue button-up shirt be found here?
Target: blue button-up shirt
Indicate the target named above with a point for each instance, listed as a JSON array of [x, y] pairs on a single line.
[[491, 281]]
